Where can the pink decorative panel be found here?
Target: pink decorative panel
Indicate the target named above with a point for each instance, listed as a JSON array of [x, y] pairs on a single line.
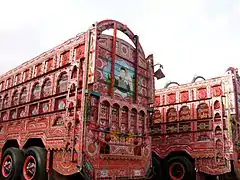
[[203, 111], [171, 115], [171, 98], [184, 96], [202, 93], [184, 113]]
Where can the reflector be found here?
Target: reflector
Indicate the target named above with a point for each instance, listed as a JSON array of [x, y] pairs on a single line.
[[159, 74]]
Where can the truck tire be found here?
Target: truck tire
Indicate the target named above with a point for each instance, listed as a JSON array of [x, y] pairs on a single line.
[[179, 168], [34, 166], [11, 164]]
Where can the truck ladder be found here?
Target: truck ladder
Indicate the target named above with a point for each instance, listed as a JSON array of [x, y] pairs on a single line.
[[72, 105]]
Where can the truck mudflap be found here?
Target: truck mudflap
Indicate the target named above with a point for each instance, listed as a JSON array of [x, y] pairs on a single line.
[[234, 174], [212, 167], [150, 173], [84, 172]]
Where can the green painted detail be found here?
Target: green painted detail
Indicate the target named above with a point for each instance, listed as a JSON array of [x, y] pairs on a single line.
[[95, 93], [150, 109], [88, 166]]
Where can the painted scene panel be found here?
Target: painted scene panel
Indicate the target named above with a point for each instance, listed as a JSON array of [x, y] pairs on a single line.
[[124, 77]]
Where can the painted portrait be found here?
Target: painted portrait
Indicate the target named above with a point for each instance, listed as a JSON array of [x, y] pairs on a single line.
[[124, 77]]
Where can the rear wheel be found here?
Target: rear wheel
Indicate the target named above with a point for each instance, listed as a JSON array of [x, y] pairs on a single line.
[[180, 168], [34, 166], [11, 165]]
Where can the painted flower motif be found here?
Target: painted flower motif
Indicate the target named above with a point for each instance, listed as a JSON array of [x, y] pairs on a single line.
[[47, 88], [35, 111], [36, 91], [22, 114], [5, 117], [45, 107], [123, 128], [61, 105], [14, 115]]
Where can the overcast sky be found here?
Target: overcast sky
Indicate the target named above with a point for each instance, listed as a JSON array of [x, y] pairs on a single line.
[[189, 37]]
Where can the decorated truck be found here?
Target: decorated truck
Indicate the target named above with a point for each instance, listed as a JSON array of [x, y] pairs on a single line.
[[81, 107], [195, 129]]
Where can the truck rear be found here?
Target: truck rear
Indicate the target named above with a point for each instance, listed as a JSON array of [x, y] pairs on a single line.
[[79, 107], [195, 128]]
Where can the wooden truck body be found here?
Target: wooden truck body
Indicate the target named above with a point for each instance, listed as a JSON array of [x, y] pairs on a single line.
[[81, 106], [196, 128]]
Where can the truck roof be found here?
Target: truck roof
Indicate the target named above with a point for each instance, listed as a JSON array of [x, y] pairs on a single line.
[[212, 81]]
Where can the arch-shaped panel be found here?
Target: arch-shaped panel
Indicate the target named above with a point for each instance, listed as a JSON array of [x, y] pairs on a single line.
[[23, 95], [216, 104], [104, 114], [5, 101], [124, 119], [133, 110], [109, 24], [218, 130], [219, 144], [171, 114], [74, 72], [62, 82], [171, 83], [116, 106], [125, 108], [141, 121], [72, 88], [196, 78], [15, 98], [133, 121], [203, 111], [47, 88], [36, 89], [105, 103], [142, 113], [115, 117], [217, 117], [157, 117], [184, 113]]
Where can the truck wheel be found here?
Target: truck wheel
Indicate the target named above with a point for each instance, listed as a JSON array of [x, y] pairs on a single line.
[[34, 166], [11, 165], [180, 168]]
